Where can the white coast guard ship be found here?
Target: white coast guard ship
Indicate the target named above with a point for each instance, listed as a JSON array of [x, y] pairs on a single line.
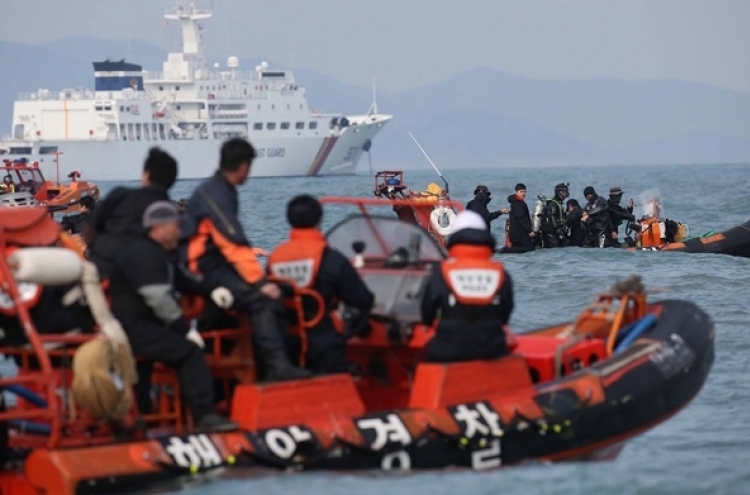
[[188, 109]]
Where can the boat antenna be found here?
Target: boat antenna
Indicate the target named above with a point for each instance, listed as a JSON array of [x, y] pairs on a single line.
[[429, 160]]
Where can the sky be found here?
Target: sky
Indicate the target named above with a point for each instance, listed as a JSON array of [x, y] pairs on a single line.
[[412, 43]]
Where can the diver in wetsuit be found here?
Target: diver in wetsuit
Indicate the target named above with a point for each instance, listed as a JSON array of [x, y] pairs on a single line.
[[574, 225], [617, 214], [309, 262], [553, 222], [480, 202], [596, 218], [116, 222], [471, 296]]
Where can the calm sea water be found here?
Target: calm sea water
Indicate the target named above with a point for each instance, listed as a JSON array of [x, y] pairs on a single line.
[[705, 449]]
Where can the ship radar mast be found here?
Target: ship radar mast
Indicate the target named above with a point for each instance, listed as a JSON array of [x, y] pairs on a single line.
[[188, 14]]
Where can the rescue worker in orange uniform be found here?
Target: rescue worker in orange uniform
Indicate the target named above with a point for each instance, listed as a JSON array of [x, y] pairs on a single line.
[[472, 293], [307, 260], [214, 244]]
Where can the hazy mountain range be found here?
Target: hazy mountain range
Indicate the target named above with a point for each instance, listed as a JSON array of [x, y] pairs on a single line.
[[479, 118]]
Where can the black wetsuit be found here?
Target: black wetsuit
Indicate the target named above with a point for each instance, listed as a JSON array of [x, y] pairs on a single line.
[[142, 287], [117, 222], [576, 228], [520, 223], [553, 224], [466, 332], [598, 222], [617, 215], [74, 223], [479, 205]]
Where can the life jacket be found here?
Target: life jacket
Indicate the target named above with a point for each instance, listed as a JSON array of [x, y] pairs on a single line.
[[299, 258], [472, 278], [471, 325]]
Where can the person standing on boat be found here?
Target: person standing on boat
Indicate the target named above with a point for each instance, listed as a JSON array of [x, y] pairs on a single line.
[[521, 234], [215, 245], [553, 222], [596, 218], [480, 202], [117, 220], [617, 214], [307, 260], [75, 224], [7, 186], [574, 225], [470, 295], [143, 282]]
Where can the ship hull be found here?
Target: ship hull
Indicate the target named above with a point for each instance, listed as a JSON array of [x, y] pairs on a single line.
[[327, 154]]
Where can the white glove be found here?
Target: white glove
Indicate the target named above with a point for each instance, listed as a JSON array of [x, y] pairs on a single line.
[[222, 297], [194, 336]]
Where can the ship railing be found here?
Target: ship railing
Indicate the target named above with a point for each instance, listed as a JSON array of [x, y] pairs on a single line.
[[223, 75]]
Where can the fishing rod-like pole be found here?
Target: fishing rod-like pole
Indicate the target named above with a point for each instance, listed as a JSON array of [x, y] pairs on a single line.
[[429, 160]]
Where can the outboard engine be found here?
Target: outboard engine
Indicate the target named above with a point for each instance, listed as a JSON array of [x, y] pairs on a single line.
[[539, 210]]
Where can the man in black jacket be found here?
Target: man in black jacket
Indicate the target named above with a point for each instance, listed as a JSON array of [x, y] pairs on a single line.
[[596, 218], [574, 225], [143, 282], [521, 235], [470, 294], [617, 214], [116, 221], [215, 245], [309, 262], [479, 205], [76, 223]]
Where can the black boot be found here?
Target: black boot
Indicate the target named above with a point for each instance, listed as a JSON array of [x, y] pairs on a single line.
[[212, 422], [279, 368]]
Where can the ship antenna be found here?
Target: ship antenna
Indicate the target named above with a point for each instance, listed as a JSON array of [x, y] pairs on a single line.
[[429, 160], [374, 107]]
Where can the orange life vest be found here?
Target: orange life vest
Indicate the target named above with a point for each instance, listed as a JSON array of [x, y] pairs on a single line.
[[471, 274], [299, 258]]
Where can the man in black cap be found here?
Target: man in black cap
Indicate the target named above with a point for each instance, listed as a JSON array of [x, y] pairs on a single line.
[[553, 222], [617, 214], [596, 218], [116, 222], [521, 235], [310, 263], [480, 202], [142, 286]]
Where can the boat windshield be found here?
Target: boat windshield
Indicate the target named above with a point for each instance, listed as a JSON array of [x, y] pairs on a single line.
[[648, 205], [382, 237]]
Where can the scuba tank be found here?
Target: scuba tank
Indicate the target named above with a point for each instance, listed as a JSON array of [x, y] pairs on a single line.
[[539, 211]]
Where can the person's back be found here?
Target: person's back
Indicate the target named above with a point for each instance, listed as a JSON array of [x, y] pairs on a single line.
[[472, 293], [307, 260], [116, 222], [575, 225]]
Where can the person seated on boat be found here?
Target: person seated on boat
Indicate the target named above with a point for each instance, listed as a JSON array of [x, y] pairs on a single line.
[[521, 234], [479, 205], [215, 245], [472, 293], [76, 224], [596, 218], [553, 222], [7, 186], [574, 225], [117, 220], [143, 282], [618, 214], [307, 260]]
